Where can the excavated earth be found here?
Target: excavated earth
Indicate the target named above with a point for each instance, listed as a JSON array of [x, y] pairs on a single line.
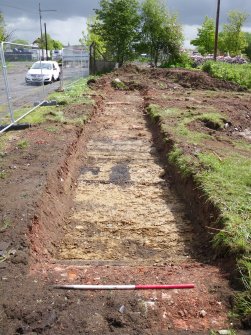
[[97, 205]]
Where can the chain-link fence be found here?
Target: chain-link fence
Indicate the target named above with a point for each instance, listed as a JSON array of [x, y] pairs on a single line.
[[26, 79], [4, 108], [75, 64]]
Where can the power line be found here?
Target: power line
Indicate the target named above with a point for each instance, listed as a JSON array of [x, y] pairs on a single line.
[[18, 8]]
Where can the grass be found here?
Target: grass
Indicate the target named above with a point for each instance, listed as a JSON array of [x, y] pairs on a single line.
[[52, 129], [232, 176], [215, 332], [237, 73], [23, 144], [182, 118], [177, 157], [224, 176], [75, 94]]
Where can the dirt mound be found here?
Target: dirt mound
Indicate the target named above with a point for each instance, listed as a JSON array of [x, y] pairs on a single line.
[[185, 78], [129, 68], [195, 79]]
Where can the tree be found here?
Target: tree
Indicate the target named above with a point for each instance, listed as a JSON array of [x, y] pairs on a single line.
[[232, 39], [4, 34], [20, 41], [56, 45], [205, 37], [247, 50], [161, 33], [51, 44], [117, 25], [89, 37]]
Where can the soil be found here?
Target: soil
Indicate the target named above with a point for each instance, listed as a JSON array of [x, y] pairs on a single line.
[[98, 205]]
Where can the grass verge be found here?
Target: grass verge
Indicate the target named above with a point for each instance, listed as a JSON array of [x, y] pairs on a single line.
[[76, 94], [224, 176]]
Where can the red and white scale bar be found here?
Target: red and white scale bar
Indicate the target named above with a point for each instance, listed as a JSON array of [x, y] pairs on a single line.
[[126, 287]]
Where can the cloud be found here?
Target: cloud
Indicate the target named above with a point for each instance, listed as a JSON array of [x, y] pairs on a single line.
[[193, 12], [190, 32], [67, 23], [58, 29]]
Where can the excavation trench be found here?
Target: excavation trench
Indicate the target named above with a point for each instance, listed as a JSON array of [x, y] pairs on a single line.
[[126, 225], [123, 208]]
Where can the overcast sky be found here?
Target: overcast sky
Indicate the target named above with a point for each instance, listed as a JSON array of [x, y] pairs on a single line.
[[67, 23]]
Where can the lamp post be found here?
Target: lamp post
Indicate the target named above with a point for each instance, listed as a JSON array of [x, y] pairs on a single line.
[[216, 30]]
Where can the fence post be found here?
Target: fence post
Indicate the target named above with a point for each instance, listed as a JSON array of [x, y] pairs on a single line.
[[62, 72], [7, 89], [93, 58]]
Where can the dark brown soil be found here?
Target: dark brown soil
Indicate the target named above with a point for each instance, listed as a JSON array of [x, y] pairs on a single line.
[[37, 201]]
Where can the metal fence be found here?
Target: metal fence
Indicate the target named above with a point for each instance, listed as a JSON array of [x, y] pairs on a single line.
[[26, 80], [75, 64]]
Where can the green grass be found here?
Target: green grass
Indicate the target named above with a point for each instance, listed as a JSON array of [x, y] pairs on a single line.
[[225, 179], [75, 94], [23, 144], [177, 157], [237, 73], [213, 120], [227, 183], [182, 118]]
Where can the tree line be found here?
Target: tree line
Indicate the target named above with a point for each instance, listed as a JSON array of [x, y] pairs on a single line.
[[121, 29], [232, 39], [125, 29]]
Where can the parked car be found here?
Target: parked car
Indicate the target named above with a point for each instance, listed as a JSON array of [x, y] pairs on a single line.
[[43, 72]]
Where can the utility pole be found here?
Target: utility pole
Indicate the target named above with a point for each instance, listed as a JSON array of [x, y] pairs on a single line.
[[41, 32], [46, 42], [216, 31]]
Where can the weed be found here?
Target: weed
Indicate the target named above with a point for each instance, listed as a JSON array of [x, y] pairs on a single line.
[[119, 85], [237, 73], [5, 224], [229, 332], [51, 129], [3, 174], [22, 144]]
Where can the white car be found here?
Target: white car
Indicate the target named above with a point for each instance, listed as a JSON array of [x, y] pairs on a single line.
[[43, 72]]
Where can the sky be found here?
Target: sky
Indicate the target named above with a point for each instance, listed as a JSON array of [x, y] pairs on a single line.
[[68, 18]]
